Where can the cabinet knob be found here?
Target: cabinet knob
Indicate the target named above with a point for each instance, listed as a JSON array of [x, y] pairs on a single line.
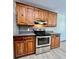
[[22, 15]]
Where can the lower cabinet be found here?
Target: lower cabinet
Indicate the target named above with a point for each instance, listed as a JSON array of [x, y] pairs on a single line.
[[29, 45], [19, 48], [55, 42], [25, 46]]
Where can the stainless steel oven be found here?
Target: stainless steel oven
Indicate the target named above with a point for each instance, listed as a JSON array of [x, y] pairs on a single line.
[[42, 41]]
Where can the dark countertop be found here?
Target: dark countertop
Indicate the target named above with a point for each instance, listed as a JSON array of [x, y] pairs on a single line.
[[31, 33], [26, 34]]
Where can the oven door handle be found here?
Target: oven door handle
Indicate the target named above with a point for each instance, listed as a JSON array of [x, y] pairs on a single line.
[[43, 36]]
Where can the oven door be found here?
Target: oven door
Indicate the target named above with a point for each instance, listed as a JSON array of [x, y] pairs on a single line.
[[43, 41]]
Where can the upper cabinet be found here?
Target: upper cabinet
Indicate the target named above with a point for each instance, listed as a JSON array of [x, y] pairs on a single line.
[[26, 15], [40, 14], [37, 14], [29, 15], [20, 14], [52, 19]]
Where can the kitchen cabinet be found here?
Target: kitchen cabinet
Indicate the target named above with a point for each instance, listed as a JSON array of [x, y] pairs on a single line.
[[40, 14], [20, 14], [19, 48], [29, 15], [43, 14], [55, 42], [36, 13], [24, 45], [52, 19], [29, 45], [26, 15], [46, 15]]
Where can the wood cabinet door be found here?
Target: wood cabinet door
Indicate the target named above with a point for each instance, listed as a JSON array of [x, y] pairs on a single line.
[[55, 42], [52, 19], [25, 47], [52, 41], [41, 14], [20, 10], [45, 15], [19, 48], [17, 13], [29, 15], [36, 14], [29, 45]]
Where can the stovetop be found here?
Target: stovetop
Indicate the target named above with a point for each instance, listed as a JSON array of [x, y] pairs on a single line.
[[41, 33]]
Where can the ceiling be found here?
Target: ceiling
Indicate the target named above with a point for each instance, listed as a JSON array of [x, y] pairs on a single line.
[[58, 6]]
